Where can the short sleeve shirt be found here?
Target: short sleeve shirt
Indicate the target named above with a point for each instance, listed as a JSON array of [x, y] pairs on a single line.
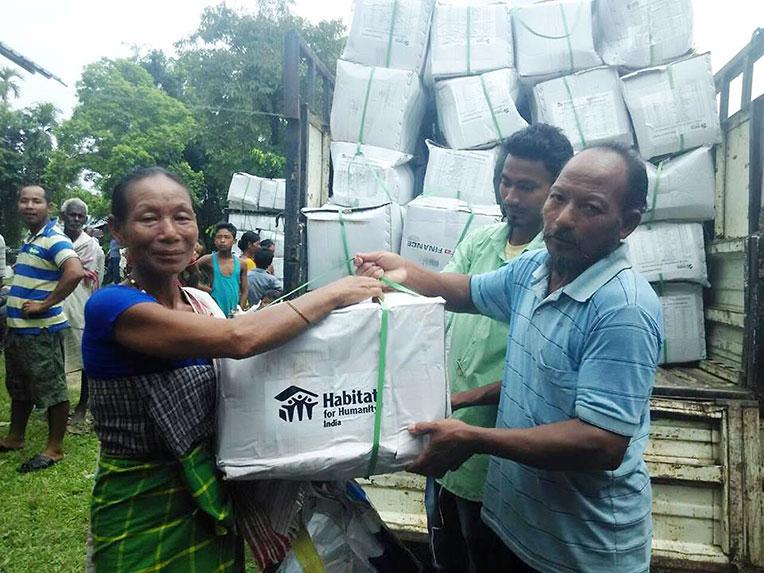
[[102, 355], [36, 275], [589, 351], [477, 347]]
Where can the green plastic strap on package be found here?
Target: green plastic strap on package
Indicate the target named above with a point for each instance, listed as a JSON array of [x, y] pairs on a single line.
[[466, 227], [672, 85], [365, 106], [579, 127], [490, 108], [379, 181], [381, 367], [656, 190], [571, 60], [322, 276], [344, 237], [397, 286], [390, 34], [469, 40]]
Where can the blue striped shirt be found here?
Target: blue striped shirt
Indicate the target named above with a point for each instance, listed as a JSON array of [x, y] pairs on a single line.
[[36, 275], [589, 351]]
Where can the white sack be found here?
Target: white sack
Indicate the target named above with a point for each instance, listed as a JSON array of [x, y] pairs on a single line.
[[477, 110], [256, 222], [569, 42], [370, 176], [588, 107], [434, 226], [470, 39], [244, 191], [685, 187], [369, 229], [673, 107], [669, 252], [643, 33], [377, 106], [461, 174], [306, 410], [683, 322], [391, 34], [272, 194]]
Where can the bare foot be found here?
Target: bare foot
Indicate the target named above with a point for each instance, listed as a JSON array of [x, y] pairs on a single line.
[[54, 454], [10, 444]]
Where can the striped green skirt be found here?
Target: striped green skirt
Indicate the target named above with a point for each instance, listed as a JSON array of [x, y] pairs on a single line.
[[162, 516]]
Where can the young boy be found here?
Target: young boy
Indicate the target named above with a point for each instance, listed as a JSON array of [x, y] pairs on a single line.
[[228, 277]]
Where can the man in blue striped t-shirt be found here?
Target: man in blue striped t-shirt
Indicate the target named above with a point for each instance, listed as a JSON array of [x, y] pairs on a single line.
[[47, 270], [567, 488]]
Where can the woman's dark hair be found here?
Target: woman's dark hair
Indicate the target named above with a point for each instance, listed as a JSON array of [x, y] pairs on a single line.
[[247, 239], [121, 189]]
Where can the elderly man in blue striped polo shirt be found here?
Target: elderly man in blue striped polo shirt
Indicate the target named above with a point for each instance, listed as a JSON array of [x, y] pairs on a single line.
[[47, 271], [567, 487]]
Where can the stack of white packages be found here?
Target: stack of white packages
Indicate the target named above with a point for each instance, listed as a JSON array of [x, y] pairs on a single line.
[[336, 402], [472, 63], [336, 234], [671, 100], [672, 257], [376, 120], [268, 226], [252, 193], [434, 228]]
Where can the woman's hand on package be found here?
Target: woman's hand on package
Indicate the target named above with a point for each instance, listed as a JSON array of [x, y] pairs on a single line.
[[381, 263], [449, 446], [351, 290]]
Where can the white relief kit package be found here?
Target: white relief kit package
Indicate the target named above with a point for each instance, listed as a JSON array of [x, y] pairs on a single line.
[[643, 33], [434, 227], [682, 188], [683, 322], [478, 110], [588, 107], [673, 107], [368, 176], [389, 33], [336, 402], [377, 106], [461, 174], [669, 252], [553, 39], [468, 39], [335, 234], [272, 194], [244, 191]]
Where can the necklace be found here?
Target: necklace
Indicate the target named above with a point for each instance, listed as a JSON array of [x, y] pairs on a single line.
[[133, 283]]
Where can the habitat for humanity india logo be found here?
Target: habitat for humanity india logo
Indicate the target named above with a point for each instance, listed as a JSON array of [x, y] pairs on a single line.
[[296, 400], [297, 404]]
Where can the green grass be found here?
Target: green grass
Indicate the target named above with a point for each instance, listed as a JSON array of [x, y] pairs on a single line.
[[44, 515]]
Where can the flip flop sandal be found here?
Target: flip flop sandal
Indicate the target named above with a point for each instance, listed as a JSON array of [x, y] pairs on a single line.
[[38, 462]]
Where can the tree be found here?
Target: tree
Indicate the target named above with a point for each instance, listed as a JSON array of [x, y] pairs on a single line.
[[26, 146], [122, 121], [230, 73], [9, 87]]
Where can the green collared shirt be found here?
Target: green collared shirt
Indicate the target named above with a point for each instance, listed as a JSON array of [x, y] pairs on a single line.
[[477, 348]]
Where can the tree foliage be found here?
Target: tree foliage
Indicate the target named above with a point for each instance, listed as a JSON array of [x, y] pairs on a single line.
[[26, 146], [122, 120], [211, 110]]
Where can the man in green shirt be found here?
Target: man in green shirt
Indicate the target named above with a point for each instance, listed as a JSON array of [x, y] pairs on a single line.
[[529, 162]]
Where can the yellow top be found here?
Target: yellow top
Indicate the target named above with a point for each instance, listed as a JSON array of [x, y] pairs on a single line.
[[512, 251]]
